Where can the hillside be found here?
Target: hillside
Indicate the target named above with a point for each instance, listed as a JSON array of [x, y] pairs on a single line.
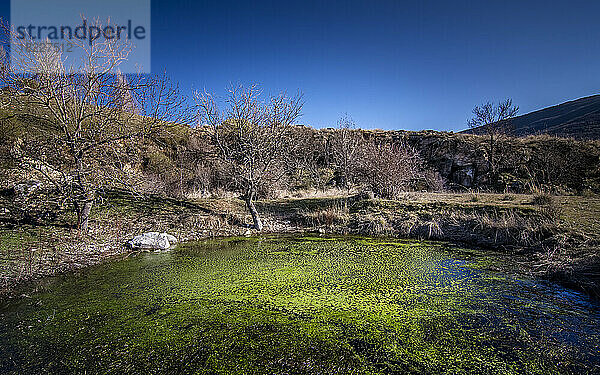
[[578, 118]]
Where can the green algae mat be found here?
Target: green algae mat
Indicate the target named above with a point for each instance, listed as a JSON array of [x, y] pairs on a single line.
[[299, 305]]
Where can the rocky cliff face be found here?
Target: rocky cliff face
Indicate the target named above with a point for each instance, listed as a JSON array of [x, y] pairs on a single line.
[[461, 159]]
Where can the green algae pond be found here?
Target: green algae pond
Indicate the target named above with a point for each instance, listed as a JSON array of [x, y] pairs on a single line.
[[285, 305]]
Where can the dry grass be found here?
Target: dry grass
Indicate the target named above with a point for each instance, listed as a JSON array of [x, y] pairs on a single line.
[[581, 213], [310, 193], [508, 197], [374, 225], [335, 215]]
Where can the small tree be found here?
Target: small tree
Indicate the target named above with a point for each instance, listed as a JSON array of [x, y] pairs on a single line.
[[80, 119], [493, 120], [346, 148], [252, 136]]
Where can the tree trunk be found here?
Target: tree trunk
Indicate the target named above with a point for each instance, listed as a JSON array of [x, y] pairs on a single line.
[[491, 157], [83, 213], [83, 206], [492, 160], [250, 204]]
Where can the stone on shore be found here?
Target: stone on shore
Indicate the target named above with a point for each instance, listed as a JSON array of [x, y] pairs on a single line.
[[152, 241]]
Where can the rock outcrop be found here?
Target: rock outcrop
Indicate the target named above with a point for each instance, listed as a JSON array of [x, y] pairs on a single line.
[[152, 241]]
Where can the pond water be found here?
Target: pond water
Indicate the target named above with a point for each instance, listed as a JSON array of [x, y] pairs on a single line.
[[299, 305]]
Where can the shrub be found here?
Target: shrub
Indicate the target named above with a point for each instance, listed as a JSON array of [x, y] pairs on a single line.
[[542, 199], [374, 225], [474, 197], [389, 170], [337, 214], [434, 181]]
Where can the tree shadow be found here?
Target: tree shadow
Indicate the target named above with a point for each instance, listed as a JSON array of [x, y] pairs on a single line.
[[160, 207]]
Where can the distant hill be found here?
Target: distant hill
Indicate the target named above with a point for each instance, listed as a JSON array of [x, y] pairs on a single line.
[[578, 118]]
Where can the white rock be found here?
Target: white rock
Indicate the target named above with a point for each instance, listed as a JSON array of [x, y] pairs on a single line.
[[152, 240], [170, 238]]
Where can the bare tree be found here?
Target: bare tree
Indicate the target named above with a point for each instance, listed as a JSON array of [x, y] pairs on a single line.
[[346, 147], [493, 120], [80, 118], [251, 135]]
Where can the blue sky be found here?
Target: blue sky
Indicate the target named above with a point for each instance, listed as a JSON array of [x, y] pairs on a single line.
[[389, 64]]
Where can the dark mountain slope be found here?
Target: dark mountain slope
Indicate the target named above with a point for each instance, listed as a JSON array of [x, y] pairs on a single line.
[[578, 118]]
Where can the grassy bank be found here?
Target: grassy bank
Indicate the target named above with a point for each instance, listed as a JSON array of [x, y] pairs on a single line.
[[550, 237]]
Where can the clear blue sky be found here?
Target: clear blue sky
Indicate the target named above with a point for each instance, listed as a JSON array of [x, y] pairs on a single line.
[[389, 64]]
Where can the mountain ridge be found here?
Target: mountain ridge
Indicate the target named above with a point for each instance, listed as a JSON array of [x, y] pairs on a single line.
[[578, 118]]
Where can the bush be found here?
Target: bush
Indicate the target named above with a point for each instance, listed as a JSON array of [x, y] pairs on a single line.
[[434, 181], [474, 197], [389, 170], [542, 199], [337, 214], [374, 225], [548, 207]]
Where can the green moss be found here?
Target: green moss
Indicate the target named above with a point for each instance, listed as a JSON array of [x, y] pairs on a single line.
[[297, 305], [13, 243]]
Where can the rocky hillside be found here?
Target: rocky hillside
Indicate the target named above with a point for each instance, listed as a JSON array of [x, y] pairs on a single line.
[[565, 165]]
